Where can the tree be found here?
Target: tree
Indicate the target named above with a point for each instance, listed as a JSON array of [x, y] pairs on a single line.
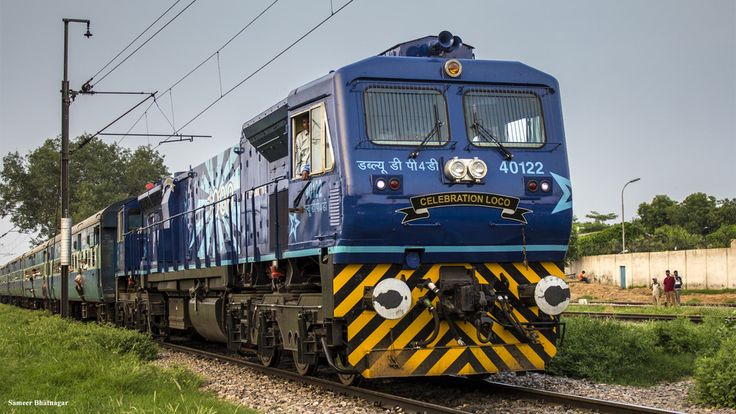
[[598, 223], [726, 214], [600, 217], [674, 238], [722, 237], [572, 245], [697, 214], [658, 213], [99, 174]]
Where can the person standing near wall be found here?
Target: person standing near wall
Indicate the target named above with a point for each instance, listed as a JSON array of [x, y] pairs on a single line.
[[678, 287], [656, 291], [669, 289]]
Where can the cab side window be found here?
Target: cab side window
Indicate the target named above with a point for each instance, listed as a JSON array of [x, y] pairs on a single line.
[[312, 146]]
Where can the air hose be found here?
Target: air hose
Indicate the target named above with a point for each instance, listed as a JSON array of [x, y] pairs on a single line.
[[436, 317], [434, 289]]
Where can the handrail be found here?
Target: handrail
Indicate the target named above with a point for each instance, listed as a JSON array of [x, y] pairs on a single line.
[[140, 229], [142, 253]]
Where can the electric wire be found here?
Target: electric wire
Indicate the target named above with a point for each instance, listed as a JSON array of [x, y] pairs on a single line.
[[6, 233], [268, 62], [207, 59], [134, 40], [144, 43], [89, 138], [216, 54], [133, 126]]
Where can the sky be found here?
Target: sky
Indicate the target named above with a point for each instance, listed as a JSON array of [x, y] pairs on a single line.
[[648, 87]]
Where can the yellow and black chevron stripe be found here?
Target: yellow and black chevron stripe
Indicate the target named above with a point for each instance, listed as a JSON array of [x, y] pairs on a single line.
[[379, 347]]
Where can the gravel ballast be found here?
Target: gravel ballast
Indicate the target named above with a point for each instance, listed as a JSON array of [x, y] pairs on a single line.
[[270, 394]]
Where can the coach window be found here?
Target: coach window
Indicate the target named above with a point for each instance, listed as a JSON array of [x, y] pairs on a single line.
[[312, 145]]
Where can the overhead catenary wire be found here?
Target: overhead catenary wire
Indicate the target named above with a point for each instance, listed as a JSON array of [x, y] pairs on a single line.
[[208, 58], [255, 72], [216, 54], [144, 43], [194, 69], [134, 40], [89, 138], [9, 231]]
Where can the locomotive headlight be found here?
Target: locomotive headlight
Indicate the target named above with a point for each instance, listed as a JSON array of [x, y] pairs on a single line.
[[391, 298], [455, 169], [477, 169], [552, 295]]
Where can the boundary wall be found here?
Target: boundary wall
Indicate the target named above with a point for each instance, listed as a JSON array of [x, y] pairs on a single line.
[[699, 268]]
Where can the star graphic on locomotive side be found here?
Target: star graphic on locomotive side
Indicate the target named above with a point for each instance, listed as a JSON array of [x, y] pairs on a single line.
[[565, 202], [293, 224]]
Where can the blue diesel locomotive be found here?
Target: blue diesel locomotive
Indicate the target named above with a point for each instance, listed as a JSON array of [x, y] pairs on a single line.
[[405, 215]]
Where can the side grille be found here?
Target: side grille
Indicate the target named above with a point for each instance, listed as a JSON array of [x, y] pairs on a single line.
[[335, 205]]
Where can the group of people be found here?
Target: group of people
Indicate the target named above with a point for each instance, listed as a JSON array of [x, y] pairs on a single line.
[[78, 282], [671, 289]]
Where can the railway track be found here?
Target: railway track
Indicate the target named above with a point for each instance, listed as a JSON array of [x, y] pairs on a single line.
[[576, 401], [639, 317], [649, 304], [412, 405], [371, 395]]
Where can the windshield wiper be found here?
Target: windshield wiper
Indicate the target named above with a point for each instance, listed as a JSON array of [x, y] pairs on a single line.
[[488, 137], [435, 130]]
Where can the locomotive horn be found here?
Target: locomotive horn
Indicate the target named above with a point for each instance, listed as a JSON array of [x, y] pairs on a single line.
[[443, 42], [456, 42], [445, 39]]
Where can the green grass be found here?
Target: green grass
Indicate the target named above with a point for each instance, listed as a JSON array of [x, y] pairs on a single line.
[[686, 292], [658, 310], [96, 368], [641, 354]]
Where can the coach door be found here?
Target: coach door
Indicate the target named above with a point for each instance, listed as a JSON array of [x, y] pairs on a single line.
[[312, 166]]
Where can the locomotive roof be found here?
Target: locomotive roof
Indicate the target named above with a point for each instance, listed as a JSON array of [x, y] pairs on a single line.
[[404, 68]]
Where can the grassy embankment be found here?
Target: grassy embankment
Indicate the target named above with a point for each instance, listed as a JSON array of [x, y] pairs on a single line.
[[94, 368], [658, 310], [652, 352]]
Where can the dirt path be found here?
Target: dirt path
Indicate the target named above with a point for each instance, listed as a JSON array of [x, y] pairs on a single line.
[[599, 292]]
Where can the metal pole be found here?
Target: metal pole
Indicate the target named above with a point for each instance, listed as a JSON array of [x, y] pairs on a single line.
[[66, 220], [65, 217], [623, 226]]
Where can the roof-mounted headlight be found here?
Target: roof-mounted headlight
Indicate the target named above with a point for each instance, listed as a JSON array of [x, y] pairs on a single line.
[[453, 68]]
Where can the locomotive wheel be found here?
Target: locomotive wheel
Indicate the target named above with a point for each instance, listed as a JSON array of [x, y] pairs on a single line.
[[272, 359], [349, 379], [303, 369]]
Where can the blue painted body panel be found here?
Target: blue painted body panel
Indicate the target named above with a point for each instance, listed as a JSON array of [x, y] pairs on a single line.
[[226, 210]]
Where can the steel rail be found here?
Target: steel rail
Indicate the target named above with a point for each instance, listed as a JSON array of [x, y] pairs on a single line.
[[376, 396], [577, 401], [639, 317], [649, 304], [412, 405]]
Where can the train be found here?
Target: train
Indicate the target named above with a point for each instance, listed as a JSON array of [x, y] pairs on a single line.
[[406, 215]]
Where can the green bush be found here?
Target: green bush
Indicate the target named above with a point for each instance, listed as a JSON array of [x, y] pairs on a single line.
[[715, 376], [682, 336], [635, 353]]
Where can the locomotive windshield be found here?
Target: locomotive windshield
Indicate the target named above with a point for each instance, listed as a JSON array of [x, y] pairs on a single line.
[[405, 116], [512, 118]]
